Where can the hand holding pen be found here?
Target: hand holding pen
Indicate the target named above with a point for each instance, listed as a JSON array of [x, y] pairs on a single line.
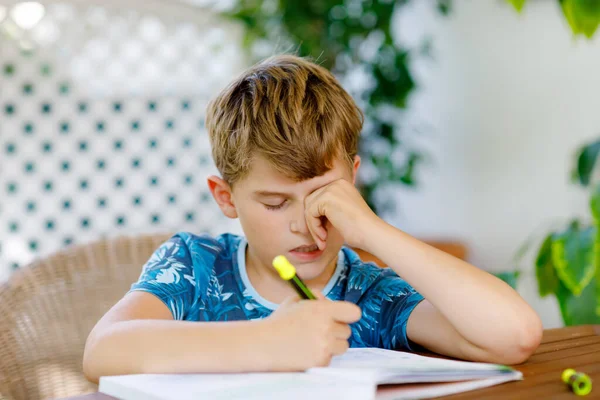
[[308, 334]]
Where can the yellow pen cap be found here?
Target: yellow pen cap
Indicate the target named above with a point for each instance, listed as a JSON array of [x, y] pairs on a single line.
[[284, 267]]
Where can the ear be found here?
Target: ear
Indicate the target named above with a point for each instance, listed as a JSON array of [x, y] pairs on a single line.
[[355, 168], [221, 191]]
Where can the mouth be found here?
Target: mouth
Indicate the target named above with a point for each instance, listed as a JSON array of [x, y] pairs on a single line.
[[307, 249], [306, 253]]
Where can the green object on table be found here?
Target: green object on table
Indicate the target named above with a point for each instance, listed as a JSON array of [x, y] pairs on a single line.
[[580, 383]]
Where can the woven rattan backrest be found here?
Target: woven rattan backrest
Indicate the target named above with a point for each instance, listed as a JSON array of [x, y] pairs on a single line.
[[48, 308]]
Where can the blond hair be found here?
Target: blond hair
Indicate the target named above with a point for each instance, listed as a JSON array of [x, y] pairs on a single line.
[[290, 111]]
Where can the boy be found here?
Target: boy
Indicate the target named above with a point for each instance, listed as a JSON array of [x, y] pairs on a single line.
[[284, 137]]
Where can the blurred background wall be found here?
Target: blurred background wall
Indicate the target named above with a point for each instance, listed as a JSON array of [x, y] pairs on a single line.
[[510, 98]]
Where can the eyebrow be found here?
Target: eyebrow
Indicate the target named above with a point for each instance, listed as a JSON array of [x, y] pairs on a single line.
[[266, 193]]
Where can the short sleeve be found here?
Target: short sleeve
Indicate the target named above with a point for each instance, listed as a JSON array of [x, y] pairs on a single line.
[[386, 306], [169, 275]]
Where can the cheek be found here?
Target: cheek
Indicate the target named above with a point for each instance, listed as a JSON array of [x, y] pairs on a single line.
[[259, 222]]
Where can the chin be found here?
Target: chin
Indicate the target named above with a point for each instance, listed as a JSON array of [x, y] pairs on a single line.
[[313, 266], [310, 271]]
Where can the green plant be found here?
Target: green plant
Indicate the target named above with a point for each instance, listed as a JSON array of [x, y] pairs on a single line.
[[332, 32], [353, 38], [583, 16], [568, 260]]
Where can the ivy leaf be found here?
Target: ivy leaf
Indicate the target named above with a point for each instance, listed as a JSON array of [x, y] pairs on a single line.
[[509, 277], [517, 4], [578, 310], [445, 6], [408, 177], [395, 81], [586, 160], [587, 15], [595, 204], [583, 15], [567, 9], [597, 291], [544, 269], [573, 255]]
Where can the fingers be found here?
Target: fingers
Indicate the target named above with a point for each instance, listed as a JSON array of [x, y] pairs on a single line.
[[320, 226], [344, 311], [340, 346], [290, 300], [317, 231], [319, 221], [342, 331], [316, 219], [319, 295]]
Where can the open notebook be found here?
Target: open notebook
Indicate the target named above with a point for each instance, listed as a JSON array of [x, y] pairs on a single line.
[[358, 374]]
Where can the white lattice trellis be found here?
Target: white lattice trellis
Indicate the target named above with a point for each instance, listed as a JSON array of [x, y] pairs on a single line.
[[102, 123]]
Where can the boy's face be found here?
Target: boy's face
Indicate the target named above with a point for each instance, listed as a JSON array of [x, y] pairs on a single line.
[[271, 208]]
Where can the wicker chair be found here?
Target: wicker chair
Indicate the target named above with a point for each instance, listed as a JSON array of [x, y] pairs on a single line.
[[49, 307]]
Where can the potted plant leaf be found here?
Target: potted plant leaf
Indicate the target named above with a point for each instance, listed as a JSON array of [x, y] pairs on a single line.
[[567, 264]]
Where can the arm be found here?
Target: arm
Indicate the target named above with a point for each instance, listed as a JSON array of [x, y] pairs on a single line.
[[139, 335], [469, 314]]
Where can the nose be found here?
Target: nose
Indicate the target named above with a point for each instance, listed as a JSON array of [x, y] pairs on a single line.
[[298, 222]]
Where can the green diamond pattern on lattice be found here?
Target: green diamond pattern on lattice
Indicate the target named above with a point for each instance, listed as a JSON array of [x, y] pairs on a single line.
[[103, 134]]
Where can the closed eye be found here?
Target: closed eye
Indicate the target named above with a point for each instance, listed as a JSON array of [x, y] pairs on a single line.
[[275, 207]]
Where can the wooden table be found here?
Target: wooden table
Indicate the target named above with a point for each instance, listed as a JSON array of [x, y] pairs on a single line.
[[572, 347]]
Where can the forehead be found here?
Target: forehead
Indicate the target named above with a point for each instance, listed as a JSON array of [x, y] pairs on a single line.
[[264, 177]]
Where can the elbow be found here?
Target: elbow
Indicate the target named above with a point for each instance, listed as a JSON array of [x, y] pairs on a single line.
[[523, 341], [106, 354], [528, 338], [97, 356], [90, 376], [89, 365]]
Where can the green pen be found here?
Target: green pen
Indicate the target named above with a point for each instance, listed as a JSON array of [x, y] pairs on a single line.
[[288, 273]]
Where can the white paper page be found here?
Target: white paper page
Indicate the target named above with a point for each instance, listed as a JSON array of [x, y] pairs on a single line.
[[387, 366], [263, 386], [427, 391], [373, 358]]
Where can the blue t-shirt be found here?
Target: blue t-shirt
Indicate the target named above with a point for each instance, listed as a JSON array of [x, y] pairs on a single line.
[[201, 278]]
